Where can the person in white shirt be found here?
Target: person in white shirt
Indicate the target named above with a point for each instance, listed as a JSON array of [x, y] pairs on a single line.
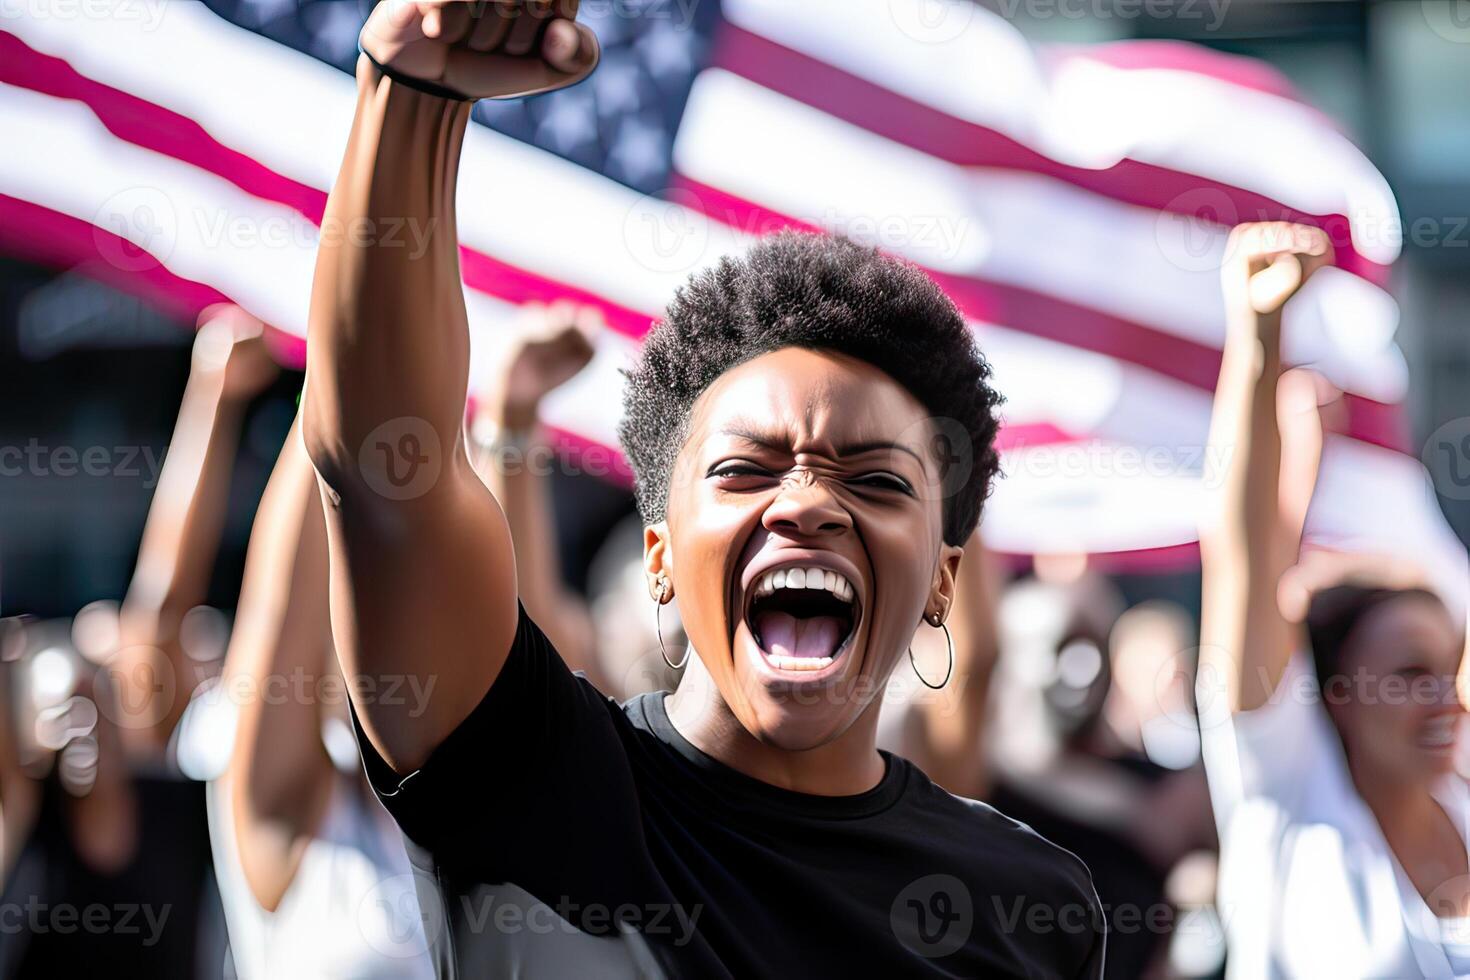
[[1329, 715]]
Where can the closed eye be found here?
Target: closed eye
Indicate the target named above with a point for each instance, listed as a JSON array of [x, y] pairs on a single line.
[[742, 472], [882, 481]]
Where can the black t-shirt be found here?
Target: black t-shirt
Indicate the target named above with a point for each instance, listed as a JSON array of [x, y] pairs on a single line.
[[607, 816], [1140, 917]]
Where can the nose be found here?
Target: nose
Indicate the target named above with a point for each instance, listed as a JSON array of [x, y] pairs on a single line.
[[1454, 695], [1447, 689], [806, 507]]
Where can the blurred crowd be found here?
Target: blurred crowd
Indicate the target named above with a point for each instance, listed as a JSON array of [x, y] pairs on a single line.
[[182, 794]]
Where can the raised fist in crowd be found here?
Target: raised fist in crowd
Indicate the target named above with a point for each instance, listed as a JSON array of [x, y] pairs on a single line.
[[482, 49]]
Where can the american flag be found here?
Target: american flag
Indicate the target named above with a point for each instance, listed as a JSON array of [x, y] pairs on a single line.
[[1074, 201]]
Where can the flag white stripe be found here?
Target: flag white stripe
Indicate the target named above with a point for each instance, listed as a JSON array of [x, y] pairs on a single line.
[[292, 114], [972, 64], [1027, 230]]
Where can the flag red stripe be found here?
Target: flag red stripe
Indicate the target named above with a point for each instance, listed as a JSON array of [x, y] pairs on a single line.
[[39, 234], [930, 130], [171, 134], [1007, 305], [35, 233], [145, 124], [1052, 318]]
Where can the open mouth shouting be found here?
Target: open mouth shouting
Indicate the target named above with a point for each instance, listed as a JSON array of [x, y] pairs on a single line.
[[1439, 733], [802, 615]]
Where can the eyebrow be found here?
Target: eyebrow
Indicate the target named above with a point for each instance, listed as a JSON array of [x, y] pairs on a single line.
[[756, 437]]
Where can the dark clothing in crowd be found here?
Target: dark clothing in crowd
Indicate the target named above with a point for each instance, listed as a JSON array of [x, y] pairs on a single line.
[[157, 917]]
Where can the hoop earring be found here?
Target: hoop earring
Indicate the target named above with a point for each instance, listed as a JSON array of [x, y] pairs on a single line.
[[658, 626], [949, 641]]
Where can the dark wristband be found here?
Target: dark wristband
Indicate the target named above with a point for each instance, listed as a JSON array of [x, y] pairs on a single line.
[[428, 88]]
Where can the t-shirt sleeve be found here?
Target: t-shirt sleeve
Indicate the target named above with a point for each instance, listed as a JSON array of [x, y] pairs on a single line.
[[1283, 753], [534, 787]]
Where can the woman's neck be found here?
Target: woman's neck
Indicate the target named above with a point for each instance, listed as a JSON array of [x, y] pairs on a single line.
[[1422, 835], [1398, 801], [846, 766]]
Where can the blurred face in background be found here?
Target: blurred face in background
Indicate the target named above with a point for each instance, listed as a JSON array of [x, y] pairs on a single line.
[[1152, 674], [1151, 702], [1395, 702]]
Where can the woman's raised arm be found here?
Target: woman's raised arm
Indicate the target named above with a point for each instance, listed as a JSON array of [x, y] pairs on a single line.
[[1253, 535], [279, 773], [230, 365], [423, 586]]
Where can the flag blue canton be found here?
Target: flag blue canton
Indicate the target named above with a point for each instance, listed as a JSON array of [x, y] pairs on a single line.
[[620, 123]]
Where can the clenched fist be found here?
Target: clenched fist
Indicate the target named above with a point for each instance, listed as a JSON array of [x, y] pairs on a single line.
[[231, 343], [1267, 262], [482, 49], [557, 343]]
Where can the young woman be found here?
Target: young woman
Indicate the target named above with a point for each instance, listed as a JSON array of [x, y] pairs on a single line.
[[1343, 823], [782, 423]]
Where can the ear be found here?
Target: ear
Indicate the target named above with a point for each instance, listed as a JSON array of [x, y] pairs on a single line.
[[942, 590], [658, 557]]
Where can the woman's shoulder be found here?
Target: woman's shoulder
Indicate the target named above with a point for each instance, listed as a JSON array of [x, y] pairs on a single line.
[[1020, 886], [991, 840]]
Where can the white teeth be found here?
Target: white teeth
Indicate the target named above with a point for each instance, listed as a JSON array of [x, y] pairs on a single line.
[[1439, 733], [805, 578], [798, 663]]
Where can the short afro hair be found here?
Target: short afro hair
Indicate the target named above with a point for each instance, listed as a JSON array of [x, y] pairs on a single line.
[[820, 292]]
